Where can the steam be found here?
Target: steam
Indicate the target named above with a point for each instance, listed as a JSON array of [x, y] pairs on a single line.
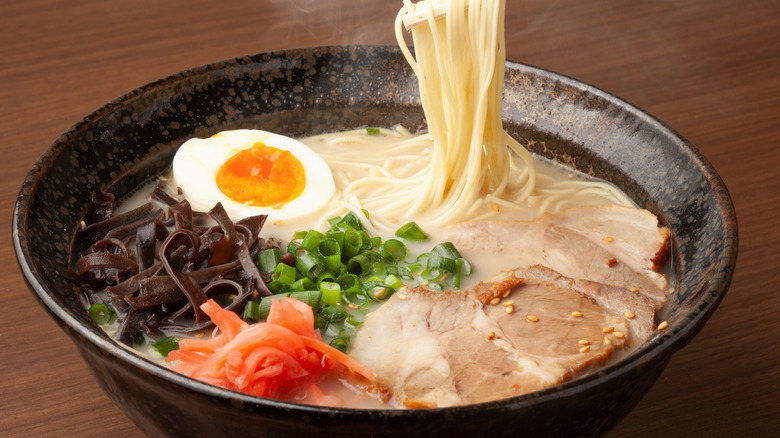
[[328, 22]]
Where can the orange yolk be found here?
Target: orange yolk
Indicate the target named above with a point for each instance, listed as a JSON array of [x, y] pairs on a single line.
[[262, 176]]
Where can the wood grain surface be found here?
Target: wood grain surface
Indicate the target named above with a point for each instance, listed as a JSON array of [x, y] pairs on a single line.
[[708, 68]]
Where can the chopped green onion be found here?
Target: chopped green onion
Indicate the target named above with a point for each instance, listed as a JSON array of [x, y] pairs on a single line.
[[293, 247], [394, 282], [330, 251], [356, 297], [325, 276], [378, 268], [348, 282], [368, 244], [334, 313], [393, 250], [435, 286], [285, 274], [411, 231], [166, 345], [359, 265], [431, 274], [447, 249], [278, 287], [372, 131], [252, 311], [303, 284], [336, 235], [101, 314], [310, 266], [340, 344], [268, 259], [312, 240], [456, 277], [331, 292], [467, 269], [437, 261], [351, 220], [352, 244], [377, 290], [320, 321]]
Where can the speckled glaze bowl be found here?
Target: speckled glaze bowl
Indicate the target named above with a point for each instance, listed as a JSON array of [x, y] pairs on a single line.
[[307, 91]]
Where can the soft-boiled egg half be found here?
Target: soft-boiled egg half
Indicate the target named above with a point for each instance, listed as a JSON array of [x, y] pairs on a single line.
[[253, 172]]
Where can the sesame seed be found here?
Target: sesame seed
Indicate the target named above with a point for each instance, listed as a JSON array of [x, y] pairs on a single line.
[[607, 341], [506, 293], [583, 342], [608, 239], [608, 329], [618, 335], [495, 301], [424, 283], [532, 318], [663, 325], [353, 306], [508, 303], [491, 336], [671, 290], [633, 289], [585, 349], [381, 293], [576, 314], [496, 208], [278, 223], [401, 296], [629, 315], [509, 309]]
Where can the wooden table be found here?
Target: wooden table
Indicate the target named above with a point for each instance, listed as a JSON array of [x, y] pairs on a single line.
[[709, 68]]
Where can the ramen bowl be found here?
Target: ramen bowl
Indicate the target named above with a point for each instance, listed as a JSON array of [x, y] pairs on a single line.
[[308, 91]]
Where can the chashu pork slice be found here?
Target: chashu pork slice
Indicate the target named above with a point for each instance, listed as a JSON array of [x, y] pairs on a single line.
[[611, 244], [433, 349]]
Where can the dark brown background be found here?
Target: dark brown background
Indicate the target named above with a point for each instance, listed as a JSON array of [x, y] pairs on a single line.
[[709, 68]]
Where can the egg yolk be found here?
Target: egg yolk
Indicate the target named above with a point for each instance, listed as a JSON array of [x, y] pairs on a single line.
[[262, 176]]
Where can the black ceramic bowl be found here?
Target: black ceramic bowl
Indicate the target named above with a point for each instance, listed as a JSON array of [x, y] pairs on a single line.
[[308, 91]]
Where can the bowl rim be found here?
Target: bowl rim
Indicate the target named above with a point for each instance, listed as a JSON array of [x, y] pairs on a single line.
[[674, 338]]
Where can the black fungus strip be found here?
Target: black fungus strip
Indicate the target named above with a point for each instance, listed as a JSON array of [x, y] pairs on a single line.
[[155, 291], [182, 215], [187, 284], [98, 230], [146, 244], [102, 243], [129, 230], [97, 260], [254, 224], [160, 195], [133, 284], [102, 206], [131, 325], [252, 272], [220, 216]]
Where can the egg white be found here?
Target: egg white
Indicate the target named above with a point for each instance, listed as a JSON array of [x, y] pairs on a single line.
[[198, 160]]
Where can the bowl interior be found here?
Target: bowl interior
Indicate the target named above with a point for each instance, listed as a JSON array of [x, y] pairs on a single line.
[[309, 91]]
